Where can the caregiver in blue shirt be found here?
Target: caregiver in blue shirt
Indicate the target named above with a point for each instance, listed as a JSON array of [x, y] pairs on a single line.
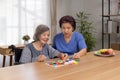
[[69, 41]]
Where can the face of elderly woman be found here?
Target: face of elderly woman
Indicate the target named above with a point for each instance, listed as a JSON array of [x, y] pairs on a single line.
[[44, 37], [67, 29]]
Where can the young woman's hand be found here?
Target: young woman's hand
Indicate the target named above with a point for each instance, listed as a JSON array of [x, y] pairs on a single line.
[[76, 56], [41, 58]]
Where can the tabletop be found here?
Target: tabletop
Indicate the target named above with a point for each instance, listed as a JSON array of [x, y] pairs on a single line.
[[4, 50], [90, 67], [16, 45]]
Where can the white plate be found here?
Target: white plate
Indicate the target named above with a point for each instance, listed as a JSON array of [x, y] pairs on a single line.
[[102, 55]]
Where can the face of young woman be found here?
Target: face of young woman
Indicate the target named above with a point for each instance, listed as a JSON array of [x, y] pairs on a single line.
[[44, 37], [67, 29]]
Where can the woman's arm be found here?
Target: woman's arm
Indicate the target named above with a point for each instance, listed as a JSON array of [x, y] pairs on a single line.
[[80, 53], [26, 56], [53, 52]]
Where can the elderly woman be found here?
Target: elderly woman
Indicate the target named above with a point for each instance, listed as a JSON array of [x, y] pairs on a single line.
[[69, 41], [39, 50]]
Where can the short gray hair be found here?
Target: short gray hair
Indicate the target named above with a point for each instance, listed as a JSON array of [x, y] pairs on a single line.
[[39, 30]]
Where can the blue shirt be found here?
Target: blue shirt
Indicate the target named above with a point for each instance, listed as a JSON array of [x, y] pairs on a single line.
[[76, 43]]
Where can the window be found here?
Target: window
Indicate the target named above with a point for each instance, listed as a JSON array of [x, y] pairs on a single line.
[[21, 17]]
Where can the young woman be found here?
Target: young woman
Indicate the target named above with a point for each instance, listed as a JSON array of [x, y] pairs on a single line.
[[69, 41], [39, 50]]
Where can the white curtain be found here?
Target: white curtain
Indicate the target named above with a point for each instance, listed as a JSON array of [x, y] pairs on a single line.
[[21, 17], [53, 7]]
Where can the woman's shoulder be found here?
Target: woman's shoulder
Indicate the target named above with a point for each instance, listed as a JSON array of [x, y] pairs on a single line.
[[27, 47], [76, 33], [29, 44], [46, 46], [78, 36], [58, 35]]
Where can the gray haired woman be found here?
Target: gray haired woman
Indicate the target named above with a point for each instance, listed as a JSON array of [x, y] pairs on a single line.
[[39, 50]]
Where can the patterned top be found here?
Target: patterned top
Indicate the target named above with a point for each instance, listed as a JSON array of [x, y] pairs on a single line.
[[30, 54]]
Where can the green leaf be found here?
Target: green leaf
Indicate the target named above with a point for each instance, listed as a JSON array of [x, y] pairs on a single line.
[[85, 27]]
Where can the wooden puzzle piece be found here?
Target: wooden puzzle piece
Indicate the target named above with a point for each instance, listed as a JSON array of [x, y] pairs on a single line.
[[60, 62]]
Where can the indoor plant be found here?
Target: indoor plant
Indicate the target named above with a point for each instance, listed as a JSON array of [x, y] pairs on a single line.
[[26, 39], [85, 27]]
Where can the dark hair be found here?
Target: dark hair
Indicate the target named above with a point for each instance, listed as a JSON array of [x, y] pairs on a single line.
[[68, 19], [39, 30]]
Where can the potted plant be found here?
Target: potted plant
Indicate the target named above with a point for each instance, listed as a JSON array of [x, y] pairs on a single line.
[[26, 39], [85, 27]]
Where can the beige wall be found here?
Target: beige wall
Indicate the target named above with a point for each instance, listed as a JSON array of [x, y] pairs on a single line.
[[94, 7]]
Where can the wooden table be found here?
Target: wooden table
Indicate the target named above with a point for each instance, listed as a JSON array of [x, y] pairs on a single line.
[[90, 67], [4, 50]]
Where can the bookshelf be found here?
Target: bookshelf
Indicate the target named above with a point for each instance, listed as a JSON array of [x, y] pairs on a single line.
[[111, 15], [110, 29]]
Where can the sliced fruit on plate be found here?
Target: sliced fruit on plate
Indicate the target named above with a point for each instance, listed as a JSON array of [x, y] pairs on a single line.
[[98, 52], [106, 51], [103, 50]]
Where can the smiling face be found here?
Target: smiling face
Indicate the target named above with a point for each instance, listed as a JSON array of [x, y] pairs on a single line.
[[44, 37], [67, 29]]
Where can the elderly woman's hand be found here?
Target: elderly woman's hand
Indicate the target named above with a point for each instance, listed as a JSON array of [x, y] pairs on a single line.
[[41, 58], [64, 56]]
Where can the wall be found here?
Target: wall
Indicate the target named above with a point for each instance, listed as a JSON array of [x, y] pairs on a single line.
[[68, 7], [93, 7], [63, 8]]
